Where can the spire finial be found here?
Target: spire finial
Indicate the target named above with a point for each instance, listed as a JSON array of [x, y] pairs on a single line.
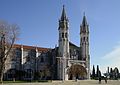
[[84, 13], [63, 5], [63, 17], [84, 22]]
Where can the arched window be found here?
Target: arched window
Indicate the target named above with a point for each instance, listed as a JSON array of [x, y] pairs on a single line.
[[66, 35], [59, 35], [28, 58], [42, 59], [87, 38], [62, 35], [83, 38], [70, 53]]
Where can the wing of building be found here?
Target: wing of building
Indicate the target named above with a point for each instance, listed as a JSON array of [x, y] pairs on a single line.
[[65, 62]]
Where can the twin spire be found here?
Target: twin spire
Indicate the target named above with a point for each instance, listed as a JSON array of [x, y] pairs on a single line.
[[64, 17], [84, 22]]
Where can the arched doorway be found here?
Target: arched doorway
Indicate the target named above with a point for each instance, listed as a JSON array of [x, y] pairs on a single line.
[[77, 71]]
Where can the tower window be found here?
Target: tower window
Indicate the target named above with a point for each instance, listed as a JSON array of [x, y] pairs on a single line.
[[83, 38], [59, 35], [87, 38], [66, 35], [62, 35]]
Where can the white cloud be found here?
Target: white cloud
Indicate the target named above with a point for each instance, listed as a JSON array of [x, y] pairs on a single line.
[[111, 59], [114, 54]]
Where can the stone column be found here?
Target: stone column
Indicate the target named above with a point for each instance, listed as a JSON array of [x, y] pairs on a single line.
[[22, 54], [36, 63]]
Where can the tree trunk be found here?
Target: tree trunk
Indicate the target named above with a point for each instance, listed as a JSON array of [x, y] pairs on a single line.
[[2, 67], [1, 72], [1, 77]]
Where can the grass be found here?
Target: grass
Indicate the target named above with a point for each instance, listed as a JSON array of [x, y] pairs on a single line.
[[33, 81]]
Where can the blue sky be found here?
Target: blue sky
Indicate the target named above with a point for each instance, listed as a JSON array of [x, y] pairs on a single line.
[[38, 20]]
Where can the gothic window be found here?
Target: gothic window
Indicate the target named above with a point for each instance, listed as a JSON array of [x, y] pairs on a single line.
[[70, 53], [18, 53], [29, 73], [83, 38], [59, 35], [62, 35], [32, 53], [42, 59], [66, 35], [60, 39], [13, 59], [28, 58], [10, 75], [87, 38], [74, 52]]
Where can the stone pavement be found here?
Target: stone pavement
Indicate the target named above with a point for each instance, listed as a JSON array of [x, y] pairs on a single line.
[[80, 82]]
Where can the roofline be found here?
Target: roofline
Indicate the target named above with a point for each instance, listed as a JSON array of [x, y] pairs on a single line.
[[28, 47]]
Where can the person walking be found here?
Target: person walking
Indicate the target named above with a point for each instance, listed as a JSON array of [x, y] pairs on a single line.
[[99, 80], [106, 80]]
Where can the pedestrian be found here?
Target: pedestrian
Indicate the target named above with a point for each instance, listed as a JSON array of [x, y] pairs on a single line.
[[106, 80], [99, 80], [76, 79]]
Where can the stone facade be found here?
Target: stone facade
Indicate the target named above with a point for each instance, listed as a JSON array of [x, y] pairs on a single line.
[[70, 55], [65, 62]]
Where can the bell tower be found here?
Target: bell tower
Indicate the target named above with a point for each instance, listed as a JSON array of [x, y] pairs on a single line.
[[63, 35], [63, 50], [84, 44]]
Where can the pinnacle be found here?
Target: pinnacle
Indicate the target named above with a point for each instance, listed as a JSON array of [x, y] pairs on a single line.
[[84, 22], [63, 16]]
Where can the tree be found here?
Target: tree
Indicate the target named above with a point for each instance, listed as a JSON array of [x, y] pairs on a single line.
[[46, 72], [8, 35], [93, 72], [107, 74], [111, 73], [116, 73], [97, 72], [99, 75]]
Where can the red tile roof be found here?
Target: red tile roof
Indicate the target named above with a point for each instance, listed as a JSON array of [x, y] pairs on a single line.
[[26, 47]]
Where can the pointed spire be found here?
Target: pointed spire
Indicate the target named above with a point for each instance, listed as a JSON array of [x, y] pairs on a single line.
[[84, 25], [63, 17], [84, 22]]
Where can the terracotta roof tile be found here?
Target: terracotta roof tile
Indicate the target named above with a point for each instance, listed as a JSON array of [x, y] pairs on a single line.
[[26, 47]]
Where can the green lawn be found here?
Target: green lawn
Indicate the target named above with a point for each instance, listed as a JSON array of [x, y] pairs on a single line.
[[33, 81]]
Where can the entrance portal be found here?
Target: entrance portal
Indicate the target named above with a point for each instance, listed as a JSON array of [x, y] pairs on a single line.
[[77, 72]]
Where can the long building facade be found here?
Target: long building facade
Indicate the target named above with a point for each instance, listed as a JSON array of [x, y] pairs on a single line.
[[64, 62]]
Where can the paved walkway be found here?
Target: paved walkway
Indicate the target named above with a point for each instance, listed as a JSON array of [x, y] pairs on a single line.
[[80, 82]]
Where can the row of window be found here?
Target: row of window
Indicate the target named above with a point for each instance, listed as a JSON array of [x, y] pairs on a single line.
[[41, 59], [63, 35], [84, 39], [28, 54]]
